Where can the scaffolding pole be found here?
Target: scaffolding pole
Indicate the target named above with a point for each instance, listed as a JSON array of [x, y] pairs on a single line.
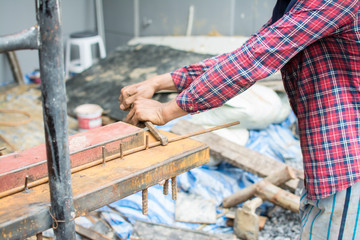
[[55, 118]]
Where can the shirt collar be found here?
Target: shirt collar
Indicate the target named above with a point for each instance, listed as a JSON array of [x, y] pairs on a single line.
[[281, 8]]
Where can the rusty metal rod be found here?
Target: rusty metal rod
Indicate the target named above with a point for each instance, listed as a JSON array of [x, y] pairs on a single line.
[[174, 188], [2, 149], [26, 187], [145, 201], [121, 151], [115, 156], [103, 155], [146, 142], [166, 187]]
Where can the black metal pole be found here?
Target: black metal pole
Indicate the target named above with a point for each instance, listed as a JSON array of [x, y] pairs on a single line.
[[26, 39], [55, 118]]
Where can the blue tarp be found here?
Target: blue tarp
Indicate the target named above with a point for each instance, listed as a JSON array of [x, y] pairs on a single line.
[[213, 183]]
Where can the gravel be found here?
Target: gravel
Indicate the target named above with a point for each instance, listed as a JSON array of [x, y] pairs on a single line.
[[281, 225]]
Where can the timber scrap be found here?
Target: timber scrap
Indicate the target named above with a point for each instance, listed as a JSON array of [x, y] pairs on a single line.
[[106, 167]]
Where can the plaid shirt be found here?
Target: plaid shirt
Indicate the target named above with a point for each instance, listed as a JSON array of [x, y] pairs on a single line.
[[317, 47]]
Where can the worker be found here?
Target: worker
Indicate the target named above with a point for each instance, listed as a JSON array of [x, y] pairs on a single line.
[[316, 45]]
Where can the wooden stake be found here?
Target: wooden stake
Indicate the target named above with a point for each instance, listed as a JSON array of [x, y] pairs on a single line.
[[278, 196], [278, 178]]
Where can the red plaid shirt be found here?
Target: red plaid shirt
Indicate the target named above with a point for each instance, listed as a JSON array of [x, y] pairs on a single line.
[[317, 47]]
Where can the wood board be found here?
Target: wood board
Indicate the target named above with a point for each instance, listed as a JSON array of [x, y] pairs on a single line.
[[27, 213]]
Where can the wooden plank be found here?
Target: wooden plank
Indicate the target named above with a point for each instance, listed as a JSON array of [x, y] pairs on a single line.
[[15, 67], [244, 194], [150, 231], [24, 214], [278, 196], [237, 155]]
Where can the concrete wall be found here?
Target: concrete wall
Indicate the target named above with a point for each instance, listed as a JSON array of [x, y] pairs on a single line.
[[119, 22], [126, 18], [16, 15]]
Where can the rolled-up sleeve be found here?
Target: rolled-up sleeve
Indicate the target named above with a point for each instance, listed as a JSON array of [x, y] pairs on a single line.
[[208, 86], [184, 76]]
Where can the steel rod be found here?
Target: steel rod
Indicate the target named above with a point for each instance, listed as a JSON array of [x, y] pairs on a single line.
[[174, 188], [166, 187], [145, 201], [203, 131], [26, 39], [116, 156], [55, 118]]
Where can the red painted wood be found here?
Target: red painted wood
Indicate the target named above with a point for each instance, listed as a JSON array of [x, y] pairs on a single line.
[[32, 162]]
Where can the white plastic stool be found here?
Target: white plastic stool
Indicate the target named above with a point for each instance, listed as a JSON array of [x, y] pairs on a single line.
[[84, 41]]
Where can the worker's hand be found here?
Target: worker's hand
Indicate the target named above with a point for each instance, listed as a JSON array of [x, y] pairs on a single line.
[[150, 110], [146, 110], [146, 89], [130, 94]]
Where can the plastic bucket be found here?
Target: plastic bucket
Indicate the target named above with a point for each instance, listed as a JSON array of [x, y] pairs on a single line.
[[89, 116]]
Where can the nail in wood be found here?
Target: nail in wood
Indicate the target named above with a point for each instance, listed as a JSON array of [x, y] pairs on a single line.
[[103, 155], [147, 142], [121, 151], [26, 189]]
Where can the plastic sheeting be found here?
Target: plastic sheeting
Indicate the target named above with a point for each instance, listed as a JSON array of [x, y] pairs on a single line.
[[255, 108], [212, 183]]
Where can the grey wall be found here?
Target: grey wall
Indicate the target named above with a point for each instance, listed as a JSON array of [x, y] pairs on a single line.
[[119, 22], [16, 15], [124, 19], [169, 17]]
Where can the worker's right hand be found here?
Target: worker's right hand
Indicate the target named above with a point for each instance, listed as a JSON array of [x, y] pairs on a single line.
[[146, 89], [153, 111]]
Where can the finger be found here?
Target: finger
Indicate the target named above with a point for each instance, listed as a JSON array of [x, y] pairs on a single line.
[[129, 116], [129, 101], [128, 92], [134, 120], [126, 103], [133, 116]]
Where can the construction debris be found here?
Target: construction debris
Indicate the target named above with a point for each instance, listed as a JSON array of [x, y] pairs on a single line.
[[237, 155], [278, 178], [278, 196], [246, 225]]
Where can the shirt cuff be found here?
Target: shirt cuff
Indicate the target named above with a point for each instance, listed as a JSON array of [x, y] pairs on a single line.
[[186, 103]]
